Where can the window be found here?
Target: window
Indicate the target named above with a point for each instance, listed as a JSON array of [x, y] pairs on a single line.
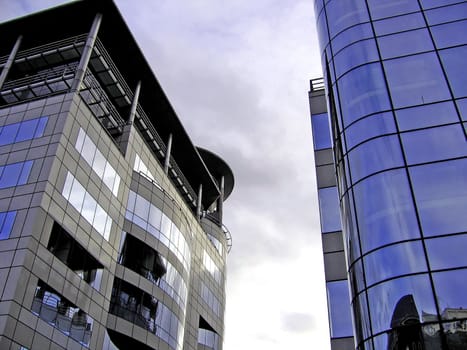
[[321, 132], [427, 115], [97, 161], [7, 219], [399, 23], [446, 14], [381, 9], [211, 267], [362, 91], [345, 14], [339, 309], [351, 35], [329, 209], [15, 174], [441, 196], [449, 34], [210, 299], [396, 44], [416, 80], [355, 55], [369, 127], [454, 64], [87, 206], [22, 131]]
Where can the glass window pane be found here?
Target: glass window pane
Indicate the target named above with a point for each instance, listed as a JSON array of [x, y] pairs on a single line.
[[446, 14], [345, 14], [26, 170], [10, 175], [384, 210], [88, 150], [99, 164], [397, 44], [8, 134], [450, 287], [415, 80], [449, 34], [399, 23], [390, 298], [441, 194], [362, 91], [454, 64], [462, 105], [321, 132], [339, 309], [426, 4], [447, 252], [393, 261], [41, 127], [369, 127], [26, 130], [367, 158], [433, 144], [426, 115], [354, 55], [351, 35], [322, 27], [7, 219], [329, 209], [361, 317], [381, 9]]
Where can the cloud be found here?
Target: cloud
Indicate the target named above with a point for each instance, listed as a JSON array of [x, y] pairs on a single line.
[[297, 322]]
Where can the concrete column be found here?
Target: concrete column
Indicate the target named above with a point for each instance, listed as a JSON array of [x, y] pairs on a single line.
[[167, 155], [86, 55], [134, 104], [9, 62]]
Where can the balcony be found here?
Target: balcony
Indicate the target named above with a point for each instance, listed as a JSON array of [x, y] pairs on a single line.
[[60, 313]]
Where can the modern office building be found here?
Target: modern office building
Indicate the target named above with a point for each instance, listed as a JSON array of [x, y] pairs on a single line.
[[389, 126], [111, 233]]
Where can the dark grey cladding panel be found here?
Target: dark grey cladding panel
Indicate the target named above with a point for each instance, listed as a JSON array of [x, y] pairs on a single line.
[[326, 176], [324, 156], [332, 242], [318, 102], [334, 266], [343, 344]]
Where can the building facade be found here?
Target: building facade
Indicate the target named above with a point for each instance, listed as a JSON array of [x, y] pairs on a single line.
[[111, 233], [395, 163]]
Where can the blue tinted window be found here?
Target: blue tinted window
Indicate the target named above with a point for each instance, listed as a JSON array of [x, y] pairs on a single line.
[[15, 174], [449, 34], [397, 44], [387, 298], [381, 9], [450, 287], [434, 144], [329, 209], [375, 155], [462, 105], [354, 55], [454, 64], [339, 309], [426, 115], [345, 14], [441, 194], [385, 210], [22, 131], [399, 23], [362, 92], [351, 35], [415, 80], [362, 321], [369, 127], [7, 219], [447, 252], [427, 4], [321, 132], [393, 261], [446, 14], [323, 35]]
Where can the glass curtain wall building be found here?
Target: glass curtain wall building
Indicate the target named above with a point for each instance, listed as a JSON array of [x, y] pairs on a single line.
[[396, 89], [111, 229]]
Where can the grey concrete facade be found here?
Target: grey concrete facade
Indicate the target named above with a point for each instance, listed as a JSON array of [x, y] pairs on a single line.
[[99, 247]]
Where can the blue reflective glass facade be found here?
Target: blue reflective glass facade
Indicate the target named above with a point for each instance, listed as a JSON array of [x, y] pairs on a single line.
[[396, 84]]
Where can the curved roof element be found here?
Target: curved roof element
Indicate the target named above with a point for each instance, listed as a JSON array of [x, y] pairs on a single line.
[[218, 168]]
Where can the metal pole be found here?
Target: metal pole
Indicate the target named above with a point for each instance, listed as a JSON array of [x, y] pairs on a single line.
[[198, 205], [167, 155], [10, 60], [86, 55], [134, 104]]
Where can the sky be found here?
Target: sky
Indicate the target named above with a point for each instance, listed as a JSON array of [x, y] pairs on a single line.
[[237, 74]]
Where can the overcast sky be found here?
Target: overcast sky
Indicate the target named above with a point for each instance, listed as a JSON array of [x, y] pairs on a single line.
[[237, 74]]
